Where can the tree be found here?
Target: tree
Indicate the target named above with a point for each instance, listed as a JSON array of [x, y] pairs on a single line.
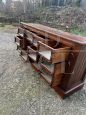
[[0, 1], [2, 6], [8, 10], [78, 3]]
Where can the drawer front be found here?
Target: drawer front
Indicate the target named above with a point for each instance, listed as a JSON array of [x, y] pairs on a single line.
[[32, 53], [35, 37], [21, 31], [19, 41], [60, 56], [29, 36]]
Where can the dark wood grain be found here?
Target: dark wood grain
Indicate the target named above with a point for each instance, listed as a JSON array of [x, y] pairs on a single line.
[[68, 56]]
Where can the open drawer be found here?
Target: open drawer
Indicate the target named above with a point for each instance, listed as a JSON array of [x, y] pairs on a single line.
[[34, 38], [45, 74], [19, 41], [32, 53], [21, 32], [47, 67], [54, 54], [53, 73], [29, 36]]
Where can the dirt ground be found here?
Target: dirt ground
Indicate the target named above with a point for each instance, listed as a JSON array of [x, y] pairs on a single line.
[[23, 92]]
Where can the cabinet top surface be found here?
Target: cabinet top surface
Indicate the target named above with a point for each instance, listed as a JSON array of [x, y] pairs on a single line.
[[59, 33]]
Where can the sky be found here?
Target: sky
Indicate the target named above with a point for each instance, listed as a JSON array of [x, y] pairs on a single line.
[[4, 1]]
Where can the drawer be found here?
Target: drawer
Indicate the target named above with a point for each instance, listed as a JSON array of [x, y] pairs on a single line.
[[47, 67], [32, 53], [53, 55], [34, 38], [21, 32], [29, 36], [19, 41], [53, 72]]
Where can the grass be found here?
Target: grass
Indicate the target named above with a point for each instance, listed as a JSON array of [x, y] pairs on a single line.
[[78, 32], [7, 28]]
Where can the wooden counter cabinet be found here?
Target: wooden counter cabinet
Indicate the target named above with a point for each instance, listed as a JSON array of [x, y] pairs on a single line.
[[59, 57]]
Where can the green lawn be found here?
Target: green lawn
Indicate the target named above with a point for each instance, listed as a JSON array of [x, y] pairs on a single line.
[[8, 28], [77, 32]]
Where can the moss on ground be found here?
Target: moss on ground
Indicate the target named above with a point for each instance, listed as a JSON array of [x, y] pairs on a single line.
[[78, 32], [7, 28]]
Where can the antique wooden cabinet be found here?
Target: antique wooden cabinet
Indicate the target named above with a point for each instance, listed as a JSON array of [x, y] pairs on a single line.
[[59, 57]]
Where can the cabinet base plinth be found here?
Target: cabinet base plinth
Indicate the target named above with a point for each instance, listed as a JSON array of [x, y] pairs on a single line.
[[65, 94]]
